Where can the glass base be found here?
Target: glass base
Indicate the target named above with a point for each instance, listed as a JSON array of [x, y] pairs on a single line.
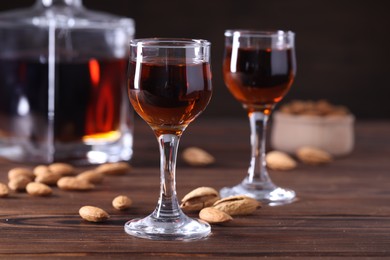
[[178, 228], [77, 153], [267, 193]]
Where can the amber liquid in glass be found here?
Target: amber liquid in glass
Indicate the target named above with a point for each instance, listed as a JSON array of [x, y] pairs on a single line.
[[169, 96], [258, 78]]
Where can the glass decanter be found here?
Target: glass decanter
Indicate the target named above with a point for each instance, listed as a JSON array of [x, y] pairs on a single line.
[[62, 84]]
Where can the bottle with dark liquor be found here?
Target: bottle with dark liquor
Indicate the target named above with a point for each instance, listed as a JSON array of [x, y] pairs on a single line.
[[63, 84]]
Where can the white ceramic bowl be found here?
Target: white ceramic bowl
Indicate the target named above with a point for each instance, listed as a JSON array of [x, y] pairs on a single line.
[[334, 134]]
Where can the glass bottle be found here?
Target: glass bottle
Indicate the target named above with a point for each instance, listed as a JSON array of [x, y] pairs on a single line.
[[62, 84]]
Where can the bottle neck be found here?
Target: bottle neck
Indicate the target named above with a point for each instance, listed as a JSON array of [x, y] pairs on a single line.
[[50, 3]]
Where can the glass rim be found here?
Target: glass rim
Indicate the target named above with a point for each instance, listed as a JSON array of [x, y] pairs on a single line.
[[158, 42], [258, 33]]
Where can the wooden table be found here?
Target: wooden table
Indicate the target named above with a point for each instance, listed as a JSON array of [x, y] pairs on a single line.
[[343, 208]]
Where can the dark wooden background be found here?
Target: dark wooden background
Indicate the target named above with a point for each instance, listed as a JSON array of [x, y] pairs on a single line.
[[342, 46]]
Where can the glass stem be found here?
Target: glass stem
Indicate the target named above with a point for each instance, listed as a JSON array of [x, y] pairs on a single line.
[[168, 205], [257, 172]]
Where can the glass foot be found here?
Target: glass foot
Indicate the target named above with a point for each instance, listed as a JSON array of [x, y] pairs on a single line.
[[179, 228], [266, 193]]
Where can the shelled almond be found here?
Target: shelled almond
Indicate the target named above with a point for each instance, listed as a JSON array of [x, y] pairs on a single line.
[[92, 176], [121, 202], [118, 168], [64, 169], [4, 191], [38, 189], [314, 156], [48, 178], [196, 156], [19, 171], [277, 160], [213, 215], [18, 183], [93, 214], [75, 184]]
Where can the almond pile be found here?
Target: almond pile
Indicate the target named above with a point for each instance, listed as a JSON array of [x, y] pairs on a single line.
[[314, 108], [40, 180]]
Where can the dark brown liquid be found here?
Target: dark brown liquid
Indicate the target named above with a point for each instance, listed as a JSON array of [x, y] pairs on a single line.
[[169, 96], [87, 102], [259, 78]]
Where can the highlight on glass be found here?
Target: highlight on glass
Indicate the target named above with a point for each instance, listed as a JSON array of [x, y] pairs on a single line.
[[169, 85]]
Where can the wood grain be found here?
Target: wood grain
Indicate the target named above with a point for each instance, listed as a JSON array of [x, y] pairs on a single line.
[[342, 211]]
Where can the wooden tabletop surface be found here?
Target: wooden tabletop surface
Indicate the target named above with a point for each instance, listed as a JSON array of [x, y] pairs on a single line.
[[343, 208]]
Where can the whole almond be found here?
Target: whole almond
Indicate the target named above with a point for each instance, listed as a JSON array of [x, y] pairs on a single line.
[[15, 172], [118, 168], [199, 198], [91, 176], [38, 189], [314, 156], [64, 169], [197, 157], [213, 215], [72, 183], [93, 214], [121, 202], [19, 183], [237, 205], [277, 160], [41, 169], [4, 191], [48, 178]]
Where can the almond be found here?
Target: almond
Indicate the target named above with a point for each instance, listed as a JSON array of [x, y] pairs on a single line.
[[19, 183], [48, 177], [15, 172], [197, 157], [237, 205], [93, 214], [91, 176], [38, 189], [213, 215], [277, 160], [64, 169], [72, 183], [118, 168], [121, 202], [199, 198], [41, 169], [4, 191], [313, 156]]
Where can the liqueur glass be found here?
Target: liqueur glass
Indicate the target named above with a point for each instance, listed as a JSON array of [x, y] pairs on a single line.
[[259, 68], [169, 85]]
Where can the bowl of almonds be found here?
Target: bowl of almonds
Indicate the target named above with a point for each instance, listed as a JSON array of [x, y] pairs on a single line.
[[317, 124]]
